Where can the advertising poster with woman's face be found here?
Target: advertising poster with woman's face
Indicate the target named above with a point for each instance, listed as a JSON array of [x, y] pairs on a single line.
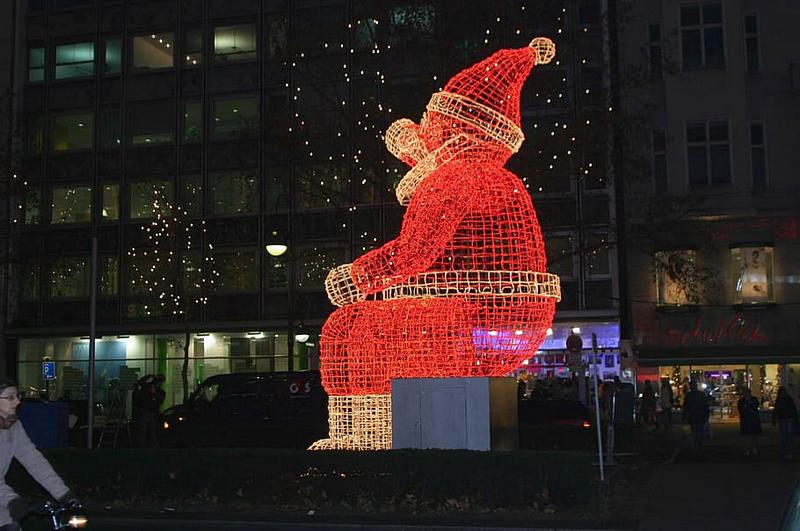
[[754, 283]]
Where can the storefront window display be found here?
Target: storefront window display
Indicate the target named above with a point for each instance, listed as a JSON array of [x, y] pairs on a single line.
[[121, 360], [752, 274]]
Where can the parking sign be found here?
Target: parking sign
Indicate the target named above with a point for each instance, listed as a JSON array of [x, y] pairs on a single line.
[[49, 370]]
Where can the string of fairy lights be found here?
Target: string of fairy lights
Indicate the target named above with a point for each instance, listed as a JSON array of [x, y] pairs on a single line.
[[164, 269], [563, 121]]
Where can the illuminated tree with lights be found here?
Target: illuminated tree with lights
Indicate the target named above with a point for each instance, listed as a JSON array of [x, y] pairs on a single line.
[[173, 276]]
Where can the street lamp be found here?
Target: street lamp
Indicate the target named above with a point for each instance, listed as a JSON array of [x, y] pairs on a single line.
[[275, 246]]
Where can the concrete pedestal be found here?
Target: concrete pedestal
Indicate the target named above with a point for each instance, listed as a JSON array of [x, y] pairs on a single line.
[[455, 413]]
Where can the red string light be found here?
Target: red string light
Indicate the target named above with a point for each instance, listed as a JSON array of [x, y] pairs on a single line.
[[463, 291]]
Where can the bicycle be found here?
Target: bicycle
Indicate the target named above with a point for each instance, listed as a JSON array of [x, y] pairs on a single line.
[[62, 517]]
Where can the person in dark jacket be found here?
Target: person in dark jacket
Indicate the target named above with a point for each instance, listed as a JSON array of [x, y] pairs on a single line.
[[749, 422], [785, 415], [147, 399], [648, 407], [695, 412]]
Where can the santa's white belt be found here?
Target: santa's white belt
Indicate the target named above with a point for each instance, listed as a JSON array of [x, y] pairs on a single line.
[[476, 282]]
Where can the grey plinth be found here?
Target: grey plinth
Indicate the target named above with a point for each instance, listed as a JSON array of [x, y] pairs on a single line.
[[455, 413]]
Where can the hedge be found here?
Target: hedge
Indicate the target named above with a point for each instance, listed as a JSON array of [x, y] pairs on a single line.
[[415, 481]]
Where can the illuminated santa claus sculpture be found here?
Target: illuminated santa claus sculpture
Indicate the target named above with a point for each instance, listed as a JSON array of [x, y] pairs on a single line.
[[463, 290]]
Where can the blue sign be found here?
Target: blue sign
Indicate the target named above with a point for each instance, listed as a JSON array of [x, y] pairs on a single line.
[[49, 370]]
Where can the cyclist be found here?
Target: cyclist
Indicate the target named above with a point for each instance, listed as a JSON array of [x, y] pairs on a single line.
[[14, 443]]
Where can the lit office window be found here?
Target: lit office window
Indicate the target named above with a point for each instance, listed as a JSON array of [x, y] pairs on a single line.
[[71, 204], [234, 118], [709, 151], [110, 205], [234, 192], [142, 197], [69, 278], [113, 63], [74, 60], [71, 132], [151, 122], [752, 274], [193, 121], [192, 47], [153, 51], [677, 277], [235, 43], [36, 64], [238, 270], [702, 40]]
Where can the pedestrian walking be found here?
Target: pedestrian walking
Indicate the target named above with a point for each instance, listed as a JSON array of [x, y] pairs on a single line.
[[147, 399], [695, 413], [648, 407], [749, 422], [785, 416]]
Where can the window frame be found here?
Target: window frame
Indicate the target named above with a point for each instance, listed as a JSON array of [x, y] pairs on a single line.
[[769, 266], [56, 64], [214, 135], [748, 38], [652, 44], [708, 144], [701, 27], [121, 43], [70, 112], [128, 196], [231, 58], [59, 185], [43, 67], [154, 35], [657, 154], [661, 301], [763, 147]]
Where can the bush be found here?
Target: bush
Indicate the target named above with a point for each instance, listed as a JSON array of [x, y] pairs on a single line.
[[414, 481]]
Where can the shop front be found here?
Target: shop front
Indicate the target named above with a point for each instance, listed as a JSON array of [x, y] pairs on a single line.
[[723, 351], [57, 368]]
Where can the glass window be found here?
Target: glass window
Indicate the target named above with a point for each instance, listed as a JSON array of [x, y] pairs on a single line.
[[656, 59], [193, 195], [238, 270], [192, 47], [597, 258], [141, 272], [315, 262], [702, 40], [34, 135], [113, 63], [69, 278], [752, 274], [36, 64], [110, 131], [752, 54], [33, 207], [234, 118], [108, 275], [153, 51], [659, 139], [29, 281], [235, 43], [110, 204], [144, 193], [234, 192], [560, 255], [708, 152], [758, 156], [412, 24], [151, 122], [72, 204], [677, 277], [74, 60], [71, 132], [193, 121]]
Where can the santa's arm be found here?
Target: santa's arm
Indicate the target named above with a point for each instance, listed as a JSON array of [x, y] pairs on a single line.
[[434, 213]]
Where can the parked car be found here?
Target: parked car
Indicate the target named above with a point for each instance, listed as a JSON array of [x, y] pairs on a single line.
[[277, 410], [555, 424]]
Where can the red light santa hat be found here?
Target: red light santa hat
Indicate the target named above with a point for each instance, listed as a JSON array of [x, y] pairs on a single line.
[[487, 94]]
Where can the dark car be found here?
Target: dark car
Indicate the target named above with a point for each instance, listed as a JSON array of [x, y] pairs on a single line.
[[555, 424], [276, 410]]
